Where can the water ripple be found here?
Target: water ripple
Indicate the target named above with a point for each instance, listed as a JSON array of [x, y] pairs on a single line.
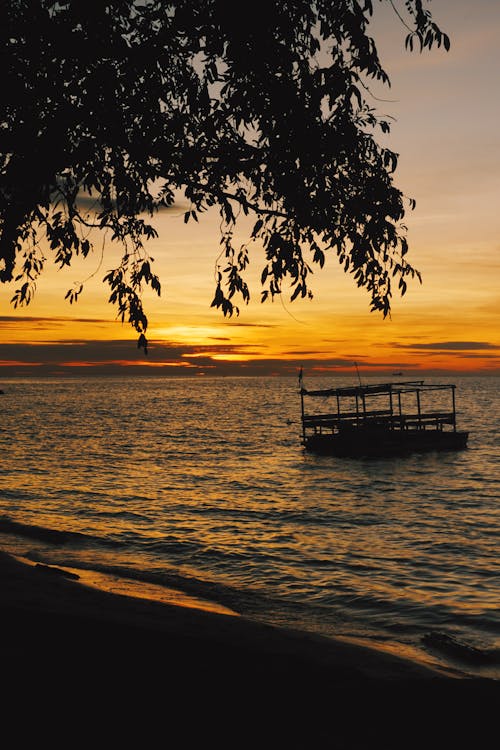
[[208, 482]]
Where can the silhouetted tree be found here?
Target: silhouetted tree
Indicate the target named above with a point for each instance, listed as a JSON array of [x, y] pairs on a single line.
[[253, 108]]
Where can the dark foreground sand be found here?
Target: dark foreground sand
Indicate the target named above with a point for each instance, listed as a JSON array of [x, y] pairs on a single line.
[[85, 668]]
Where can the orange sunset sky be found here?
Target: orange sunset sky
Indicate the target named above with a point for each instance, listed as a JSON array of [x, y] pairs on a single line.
[[446, 112]]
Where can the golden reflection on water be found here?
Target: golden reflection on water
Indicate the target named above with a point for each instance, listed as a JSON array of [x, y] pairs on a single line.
[[140, 590], [210, 482]]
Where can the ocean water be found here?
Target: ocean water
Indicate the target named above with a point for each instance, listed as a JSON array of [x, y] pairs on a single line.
[[202, 486]]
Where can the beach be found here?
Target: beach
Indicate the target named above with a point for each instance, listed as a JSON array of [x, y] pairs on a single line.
[[125, 666]]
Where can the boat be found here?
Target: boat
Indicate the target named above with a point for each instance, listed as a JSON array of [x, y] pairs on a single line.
[[381, 419]]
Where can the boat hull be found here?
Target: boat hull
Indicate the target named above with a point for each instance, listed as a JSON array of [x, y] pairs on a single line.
[[380, 443]]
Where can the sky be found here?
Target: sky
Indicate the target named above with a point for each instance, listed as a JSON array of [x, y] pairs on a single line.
[[446, 109]]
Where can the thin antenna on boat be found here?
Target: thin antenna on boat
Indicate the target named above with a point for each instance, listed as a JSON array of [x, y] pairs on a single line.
[[357, 370]]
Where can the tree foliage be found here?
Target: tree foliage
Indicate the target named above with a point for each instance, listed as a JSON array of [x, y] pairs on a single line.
[[261, 109]]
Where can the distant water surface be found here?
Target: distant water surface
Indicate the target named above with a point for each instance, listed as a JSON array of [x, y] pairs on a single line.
[[203, 485]]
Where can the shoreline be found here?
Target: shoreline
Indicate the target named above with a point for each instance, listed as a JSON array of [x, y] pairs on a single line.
[[77, 641], [37, 589]]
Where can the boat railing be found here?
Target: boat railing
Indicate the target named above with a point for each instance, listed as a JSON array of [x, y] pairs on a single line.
[[332, 419], [378, 418], [435, 418]]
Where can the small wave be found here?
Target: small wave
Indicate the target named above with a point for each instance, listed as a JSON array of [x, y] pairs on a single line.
[[122, 515], [457, 649], [53, 570], [50, 536]]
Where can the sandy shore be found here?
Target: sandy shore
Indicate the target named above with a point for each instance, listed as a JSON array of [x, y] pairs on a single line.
[[126, 667]]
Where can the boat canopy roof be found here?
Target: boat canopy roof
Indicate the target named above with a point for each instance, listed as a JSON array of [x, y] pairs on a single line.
[[408, 386]]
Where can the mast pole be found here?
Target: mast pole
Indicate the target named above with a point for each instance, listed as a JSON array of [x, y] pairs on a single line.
[[454, 409], [391, 407], [357, 370], [302, 407]]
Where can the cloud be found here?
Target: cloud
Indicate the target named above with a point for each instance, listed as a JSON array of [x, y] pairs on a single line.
[[493, 357], [60, 351], [118, 356], [451, 346], [253, 325], [16, 320], [90, 203]]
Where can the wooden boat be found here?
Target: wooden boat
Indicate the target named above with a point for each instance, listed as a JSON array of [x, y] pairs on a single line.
[[384, 419]]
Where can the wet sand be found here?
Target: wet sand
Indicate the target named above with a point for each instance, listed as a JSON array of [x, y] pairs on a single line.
[[85, 667]]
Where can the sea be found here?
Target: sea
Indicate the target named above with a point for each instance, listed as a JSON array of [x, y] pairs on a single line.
[[199, 488]]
